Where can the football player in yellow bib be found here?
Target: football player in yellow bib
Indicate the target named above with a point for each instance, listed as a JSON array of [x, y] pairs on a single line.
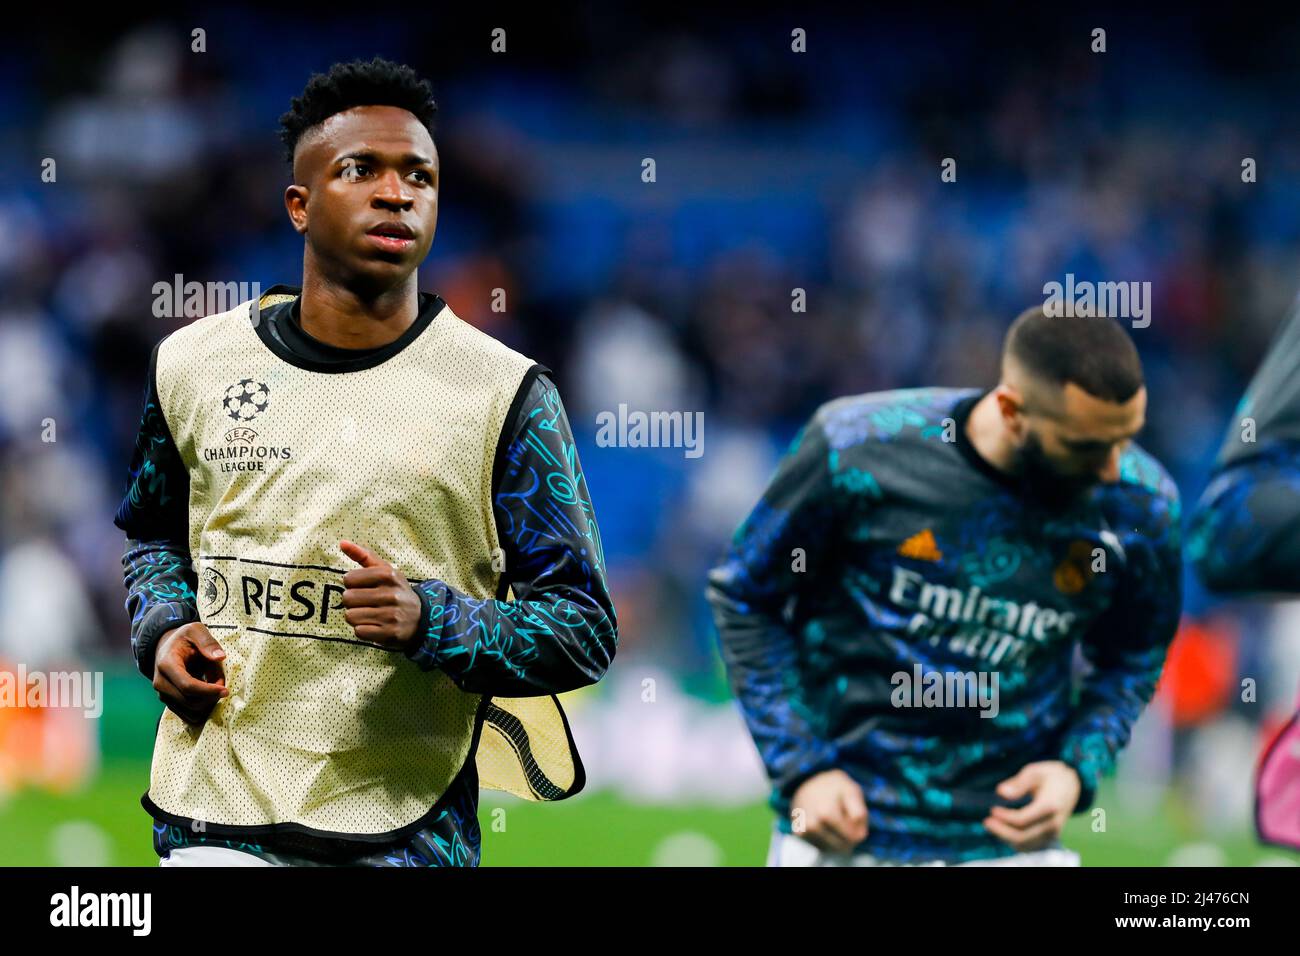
[[362, 559]]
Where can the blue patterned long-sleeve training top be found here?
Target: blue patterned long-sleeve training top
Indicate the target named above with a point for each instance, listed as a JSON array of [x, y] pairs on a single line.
[[898, 608], [1244, 535], [559, 632]]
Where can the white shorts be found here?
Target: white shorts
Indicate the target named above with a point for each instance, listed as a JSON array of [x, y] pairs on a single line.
[[222, 856], [790, 850]]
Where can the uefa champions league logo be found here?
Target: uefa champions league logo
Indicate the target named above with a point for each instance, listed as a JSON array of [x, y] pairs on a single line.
[[243, 402], [246, 399]]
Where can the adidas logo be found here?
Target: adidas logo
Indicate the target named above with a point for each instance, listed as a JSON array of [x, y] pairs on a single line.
[[921, 546]]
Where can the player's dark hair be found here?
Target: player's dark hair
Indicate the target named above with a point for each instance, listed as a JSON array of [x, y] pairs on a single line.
[[346, 85], [1095, 353]]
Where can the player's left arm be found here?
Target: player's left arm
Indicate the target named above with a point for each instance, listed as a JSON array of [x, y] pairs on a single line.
[[1128, 644], [560, 631], [1244, 534]]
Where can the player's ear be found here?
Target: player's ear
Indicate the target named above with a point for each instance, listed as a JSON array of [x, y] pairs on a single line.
[[1011, 404], [295, 203]]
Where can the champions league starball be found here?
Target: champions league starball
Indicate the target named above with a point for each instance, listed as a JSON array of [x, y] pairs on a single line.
[[246, 400]]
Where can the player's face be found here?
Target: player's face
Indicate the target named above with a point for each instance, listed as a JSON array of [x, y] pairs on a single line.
[[1078, 445], [370, 205]]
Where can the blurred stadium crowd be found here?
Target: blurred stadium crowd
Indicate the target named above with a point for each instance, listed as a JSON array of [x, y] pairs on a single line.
[[774, 171]]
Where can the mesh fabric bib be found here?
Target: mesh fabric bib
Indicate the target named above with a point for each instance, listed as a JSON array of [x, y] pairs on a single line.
[[321, 732]]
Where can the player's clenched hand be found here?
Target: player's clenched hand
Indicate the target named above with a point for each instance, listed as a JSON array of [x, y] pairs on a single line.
[[382, 607], [1054, 786], [830, 812], [187, 672]]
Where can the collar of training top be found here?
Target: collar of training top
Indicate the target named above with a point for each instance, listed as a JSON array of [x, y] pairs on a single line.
[[960, 415], [271, 310]]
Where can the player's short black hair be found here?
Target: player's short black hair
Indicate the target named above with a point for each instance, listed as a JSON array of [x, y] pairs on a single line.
[[358, 83], [1095, 353]]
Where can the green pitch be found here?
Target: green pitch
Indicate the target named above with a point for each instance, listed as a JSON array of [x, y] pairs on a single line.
[[103, 824]]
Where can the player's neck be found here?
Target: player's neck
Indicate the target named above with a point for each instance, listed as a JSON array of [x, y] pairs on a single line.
[[338, 316], [988, 434]]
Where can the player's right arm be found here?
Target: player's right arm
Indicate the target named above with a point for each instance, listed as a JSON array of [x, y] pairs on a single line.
[[1244, 535], [774, 556], [170, 646]]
